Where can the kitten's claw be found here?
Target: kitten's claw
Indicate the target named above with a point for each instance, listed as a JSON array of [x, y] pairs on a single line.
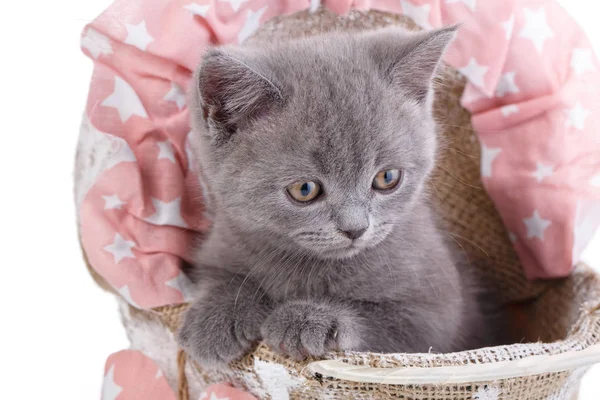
[[214, 338], [302, 329]]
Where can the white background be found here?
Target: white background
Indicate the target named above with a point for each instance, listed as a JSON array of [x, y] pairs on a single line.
[[57, 327]]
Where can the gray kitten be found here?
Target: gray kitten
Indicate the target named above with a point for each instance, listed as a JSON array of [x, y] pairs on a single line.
[[314, 155]]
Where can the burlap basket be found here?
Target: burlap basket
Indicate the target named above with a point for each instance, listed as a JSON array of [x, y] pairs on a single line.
[[560, 319]]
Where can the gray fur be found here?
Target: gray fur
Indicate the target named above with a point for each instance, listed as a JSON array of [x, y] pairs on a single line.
[[337, 110]]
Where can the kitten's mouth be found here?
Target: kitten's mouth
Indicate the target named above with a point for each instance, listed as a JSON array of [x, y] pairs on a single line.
[[352, 247], [342, 249], [348, 251]]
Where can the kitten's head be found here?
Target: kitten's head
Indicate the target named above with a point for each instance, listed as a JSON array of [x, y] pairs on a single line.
[[320, 145]]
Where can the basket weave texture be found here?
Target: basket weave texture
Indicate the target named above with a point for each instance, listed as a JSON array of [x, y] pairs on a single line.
[[556, 316]]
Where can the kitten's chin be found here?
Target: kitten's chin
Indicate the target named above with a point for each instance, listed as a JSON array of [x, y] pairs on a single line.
[[340, 254], [343, 253]]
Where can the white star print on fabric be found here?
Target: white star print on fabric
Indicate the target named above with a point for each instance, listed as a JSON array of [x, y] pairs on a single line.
[[112, 202], [488, 155], [595, 181], [96, 43], [98, 151], [197, 9], [509, 109], [235, 4], [536, 28], [508, 26], [183, 284], [112, 150], [176, 95], [159, 374], [167, 213], [251, 25], [543, 171], [469, 3], [110, 390], [507, 84], [138, 36], [512, 237], [188, 151], [419, 14], [582, 61], [125, 101], [314, 5], [213, 396], [120, 248], [126, 294], [576, 117], [475, 72], [536, 225], [487, 393], [165, 150], [472, 94]]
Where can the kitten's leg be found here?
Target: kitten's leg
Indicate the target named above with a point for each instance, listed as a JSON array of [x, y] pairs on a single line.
[[224, 322], [303, 328], [411, 328]]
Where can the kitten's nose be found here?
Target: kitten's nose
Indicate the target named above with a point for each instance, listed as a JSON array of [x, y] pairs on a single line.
[[354, 234]]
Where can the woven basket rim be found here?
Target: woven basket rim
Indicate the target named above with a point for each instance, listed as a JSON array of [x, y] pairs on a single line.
[[457, 374], [589, 314], [580, 348]]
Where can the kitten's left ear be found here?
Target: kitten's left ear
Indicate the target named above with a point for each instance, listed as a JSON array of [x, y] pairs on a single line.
[[232, 89], [410, 60]]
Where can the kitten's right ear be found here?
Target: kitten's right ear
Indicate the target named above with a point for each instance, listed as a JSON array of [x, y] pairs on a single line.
[[233, 89], [409, 60]]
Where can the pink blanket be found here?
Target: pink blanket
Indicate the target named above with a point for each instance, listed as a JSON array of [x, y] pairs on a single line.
[[532, 91]]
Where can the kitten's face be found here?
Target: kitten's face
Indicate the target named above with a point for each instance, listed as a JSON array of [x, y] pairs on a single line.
[[334, 159]]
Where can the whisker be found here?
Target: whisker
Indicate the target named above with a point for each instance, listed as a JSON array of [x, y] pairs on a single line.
[[270, 255], [448, 233], [277, 273], [464, 154], [438, 192], [455, 177], [468, 240]]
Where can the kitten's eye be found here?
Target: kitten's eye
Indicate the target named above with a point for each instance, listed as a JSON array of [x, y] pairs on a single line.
[[304, 191], [387, 179]]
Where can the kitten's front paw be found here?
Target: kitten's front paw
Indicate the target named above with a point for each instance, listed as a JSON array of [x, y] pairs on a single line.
[[304, 328], [215, 336]]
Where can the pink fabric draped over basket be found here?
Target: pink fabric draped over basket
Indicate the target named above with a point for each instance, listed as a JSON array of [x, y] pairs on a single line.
[[532, 91]]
